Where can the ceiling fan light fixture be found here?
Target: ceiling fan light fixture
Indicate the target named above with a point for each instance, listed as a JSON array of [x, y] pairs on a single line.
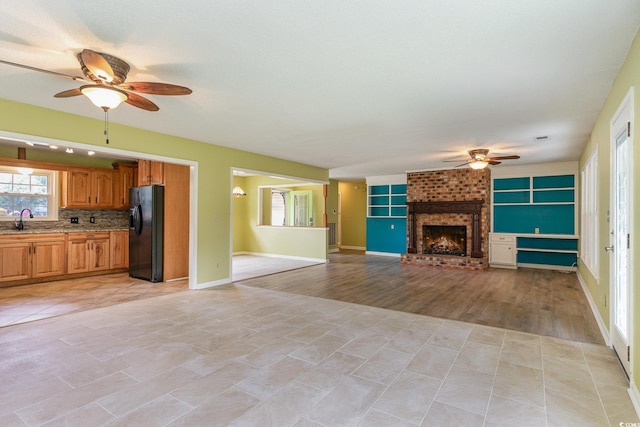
[[478, 164], [104, 97]]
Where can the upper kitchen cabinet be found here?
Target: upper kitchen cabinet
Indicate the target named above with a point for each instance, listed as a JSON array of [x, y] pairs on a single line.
[[150, 172], [124, 175], [87, 188]]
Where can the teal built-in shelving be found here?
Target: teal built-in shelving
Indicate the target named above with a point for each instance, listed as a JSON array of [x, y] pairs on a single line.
[[387, 215], [540, 211]]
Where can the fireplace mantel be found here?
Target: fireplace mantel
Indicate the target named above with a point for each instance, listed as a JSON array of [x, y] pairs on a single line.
[[472, 207]]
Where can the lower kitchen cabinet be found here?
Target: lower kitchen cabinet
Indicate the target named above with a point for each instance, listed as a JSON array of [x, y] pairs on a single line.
[[31, 256], [119, 249], [88, 252]]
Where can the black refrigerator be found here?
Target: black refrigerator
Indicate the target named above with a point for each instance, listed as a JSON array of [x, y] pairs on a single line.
[[146, 232]]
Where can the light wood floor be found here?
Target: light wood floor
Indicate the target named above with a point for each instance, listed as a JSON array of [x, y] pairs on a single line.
[[541, 302]]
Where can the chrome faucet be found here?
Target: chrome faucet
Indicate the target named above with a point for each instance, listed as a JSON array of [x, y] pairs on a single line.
[[20, 224]]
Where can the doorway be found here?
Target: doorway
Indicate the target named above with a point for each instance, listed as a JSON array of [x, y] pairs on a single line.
[[621, 214]]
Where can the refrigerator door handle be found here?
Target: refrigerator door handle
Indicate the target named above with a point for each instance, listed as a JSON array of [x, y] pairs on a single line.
[[136, 219]]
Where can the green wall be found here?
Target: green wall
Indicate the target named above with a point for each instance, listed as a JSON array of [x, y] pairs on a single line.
[[300, 242], [353, 214], [214, 173], [599, 140]]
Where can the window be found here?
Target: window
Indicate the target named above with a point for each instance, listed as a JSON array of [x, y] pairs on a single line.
[[278, 207], [589, 215], [31, 189]]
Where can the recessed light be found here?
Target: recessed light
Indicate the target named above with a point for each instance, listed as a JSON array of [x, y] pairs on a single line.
[[69, 150], [29, 143], [53, 147], [91, 153]]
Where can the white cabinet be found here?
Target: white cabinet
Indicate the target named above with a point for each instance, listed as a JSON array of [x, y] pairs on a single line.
[[502, 250]]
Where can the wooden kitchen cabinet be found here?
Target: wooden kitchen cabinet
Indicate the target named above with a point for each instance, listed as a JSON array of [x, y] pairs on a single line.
[[119, 249], [88, 252], [176, 221], [31, 256], [150, 172], [125, 177], [87, 188]]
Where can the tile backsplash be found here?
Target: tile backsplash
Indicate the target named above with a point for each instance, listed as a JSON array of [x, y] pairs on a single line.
[[104, 220]]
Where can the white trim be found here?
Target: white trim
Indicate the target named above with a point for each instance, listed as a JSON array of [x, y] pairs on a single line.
[[594, 310], [542, 236], [383, 254], [295, 258], [355, 248], [333, 250], [634, 394], [547, 267]]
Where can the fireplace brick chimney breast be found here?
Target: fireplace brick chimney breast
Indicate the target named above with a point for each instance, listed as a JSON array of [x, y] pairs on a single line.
[[429, 192]]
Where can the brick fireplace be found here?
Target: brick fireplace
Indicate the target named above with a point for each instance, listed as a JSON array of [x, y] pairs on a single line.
[[456, 197]]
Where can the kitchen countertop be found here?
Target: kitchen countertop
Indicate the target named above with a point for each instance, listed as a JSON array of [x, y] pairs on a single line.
[[8, 232]]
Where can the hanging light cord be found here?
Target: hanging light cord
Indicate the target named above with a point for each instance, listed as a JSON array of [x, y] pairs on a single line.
[[106, 124]]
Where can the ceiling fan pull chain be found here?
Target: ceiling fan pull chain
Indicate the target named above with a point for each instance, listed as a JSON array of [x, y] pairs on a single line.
[[106, 125]]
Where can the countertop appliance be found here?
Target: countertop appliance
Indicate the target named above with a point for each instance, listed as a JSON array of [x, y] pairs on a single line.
[[146, 232]]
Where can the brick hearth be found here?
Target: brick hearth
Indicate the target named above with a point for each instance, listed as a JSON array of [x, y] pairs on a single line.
[[427, 197]]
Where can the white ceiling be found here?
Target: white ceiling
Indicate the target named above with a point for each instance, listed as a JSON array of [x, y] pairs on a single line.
[[362, 88]]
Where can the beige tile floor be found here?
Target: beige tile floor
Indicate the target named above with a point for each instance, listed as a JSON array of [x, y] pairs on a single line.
[[244, 356]]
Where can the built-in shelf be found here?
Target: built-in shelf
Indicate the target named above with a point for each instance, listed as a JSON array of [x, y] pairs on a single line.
[[387, 201]]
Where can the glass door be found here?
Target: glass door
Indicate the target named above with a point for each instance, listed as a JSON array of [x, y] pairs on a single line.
[[620, 249]]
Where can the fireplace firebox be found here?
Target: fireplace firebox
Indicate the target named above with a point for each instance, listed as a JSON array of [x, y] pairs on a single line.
[[444, 239]]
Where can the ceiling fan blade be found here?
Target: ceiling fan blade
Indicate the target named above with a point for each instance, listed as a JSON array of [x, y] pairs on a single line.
[[504, 158], [97, 65], [464, 164], [493, 162], [41, 70], [155, 88], [140, 102], [68, 93]]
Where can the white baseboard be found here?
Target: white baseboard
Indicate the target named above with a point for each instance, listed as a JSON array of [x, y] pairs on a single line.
[[547, 267], [355, 248], [383, 254], [594, 310], [634, 394], [206, 285], [295, 258], [334, 250]]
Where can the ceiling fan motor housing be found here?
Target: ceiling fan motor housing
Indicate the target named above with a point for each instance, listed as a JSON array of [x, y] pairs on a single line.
[[120, 68]]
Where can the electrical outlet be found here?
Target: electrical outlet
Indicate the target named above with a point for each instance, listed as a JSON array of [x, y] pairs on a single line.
[[74, 220], [393, 226], [92, 219], [537, 231]]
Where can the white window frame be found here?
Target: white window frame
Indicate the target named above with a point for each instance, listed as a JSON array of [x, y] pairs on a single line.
[[589, 215], [52, 193]]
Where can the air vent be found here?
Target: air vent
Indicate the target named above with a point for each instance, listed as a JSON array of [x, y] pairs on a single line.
[[541, 138]]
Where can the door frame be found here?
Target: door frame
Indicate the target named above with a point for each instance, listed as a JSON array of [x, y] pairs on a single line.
[[624, 114]]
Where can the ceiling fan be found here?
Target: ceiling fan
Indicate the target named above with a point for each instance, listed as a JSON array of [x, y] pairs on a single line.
[[105, 85], [480, 159]]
